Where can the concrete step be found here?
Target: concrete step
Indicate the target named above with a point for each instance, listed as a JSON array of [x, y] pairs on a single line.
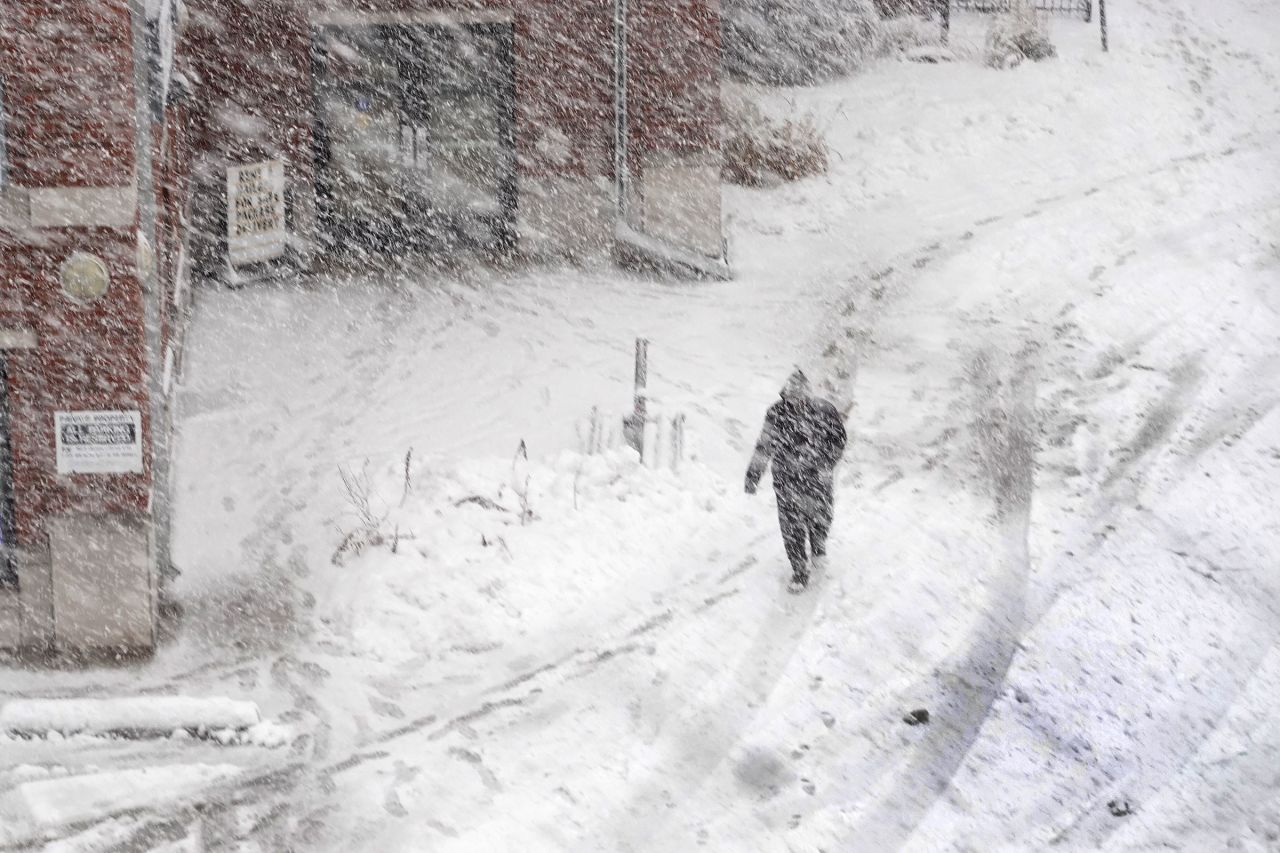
[[135, 716], [10, 619]]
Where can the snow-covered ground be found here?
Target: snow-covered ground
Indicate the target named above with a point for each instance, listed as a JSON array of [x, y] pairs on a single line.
[[1051, 296]]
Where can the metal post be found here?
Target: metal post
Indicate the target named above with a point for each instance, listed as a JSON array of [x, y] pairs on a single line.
[[1102, 19], [677, 442], [633, 425], [642, 372], [620, 121], [144, 172]]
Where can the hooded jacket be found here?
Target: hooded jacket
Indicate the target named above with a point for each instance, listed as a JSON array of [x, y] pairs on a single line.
[[803, 436]]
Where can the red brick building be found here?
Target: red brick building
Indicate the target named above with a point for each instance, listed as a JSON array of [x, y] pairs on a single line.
[[544, 127], [484, 124], [92, 191]]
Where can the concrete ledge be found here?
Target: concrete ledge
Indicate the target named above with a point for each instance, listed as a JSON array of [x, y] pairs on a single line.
[[10, 619], [35, 809], [15, 208], [150, 715], [18, 339], [678, 201], [636, 250], [103, 584], [340, 18], [564, 216], [35, 600], [64, 207]]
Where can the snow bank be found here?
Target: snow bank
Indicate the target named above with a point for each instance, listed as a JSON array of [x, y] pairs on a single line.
[[452, 563], [108, 835], [53, 803], [150, 714]]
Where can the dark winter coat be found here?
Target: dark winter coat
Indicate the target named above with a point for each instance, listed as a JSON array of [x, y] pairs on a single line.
[[804, 438]]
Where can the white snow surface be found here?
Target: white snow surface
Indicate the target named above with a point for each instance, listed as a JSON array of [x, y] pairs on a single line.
[[1050, 299]]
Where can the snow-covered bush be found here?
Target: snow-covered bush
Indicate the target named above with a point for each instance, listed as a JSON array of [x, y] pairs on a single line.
[[369, 527], [798, 42], [908, 33], [1018, 34], [760, 150], [471, 566]]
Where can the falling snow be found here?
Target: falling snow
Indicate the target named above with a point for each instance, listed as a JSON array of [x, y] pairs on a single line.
[[424, 564]]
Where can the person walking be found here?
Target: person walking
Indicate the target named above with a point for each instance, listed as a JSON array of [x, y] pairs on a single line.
[[804, 438]]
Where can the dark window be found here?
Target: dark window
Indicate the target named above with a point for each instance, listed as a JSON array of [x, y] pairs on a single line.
[[415, 135], [8, 576]]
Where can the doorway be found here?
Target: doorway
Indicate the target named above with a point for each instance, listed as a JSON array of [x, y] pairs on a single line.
[[415, 136]]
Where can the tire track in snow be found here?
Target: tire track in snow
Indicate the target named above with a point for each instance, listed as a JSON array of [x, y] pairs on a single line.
[[1092, 825], [704, 736], [940, 754], [1005, 431], [710, 732], [316, 784]]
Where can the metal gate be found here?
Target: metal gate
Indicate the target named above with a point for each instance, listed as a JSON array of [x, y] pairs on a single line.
[[1083, 8]]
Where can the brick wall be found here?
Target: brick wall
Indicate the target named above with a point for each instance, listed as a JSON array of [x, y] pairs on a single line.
[[257, 95], [88, 358], [674, 73], [564, 81], [68, 73]]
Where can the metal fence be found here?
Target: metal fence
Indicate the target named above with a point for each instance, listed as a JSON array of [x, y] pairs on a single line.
[[1083, 8]]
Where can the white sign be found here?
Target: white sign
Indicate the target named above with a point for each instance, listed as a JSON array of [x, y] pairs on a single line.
[[99, 442], [255, 212]]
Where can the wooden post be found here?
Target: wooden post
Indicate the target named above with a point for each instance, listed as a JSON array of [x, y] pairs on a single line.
[[593, 434], [1102, 19], [677, 442], [655, 454], [633, 425]]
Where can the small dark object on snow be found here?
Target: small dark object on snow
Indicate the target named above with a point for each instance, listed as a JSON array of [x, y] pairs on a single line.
[[918, 717], [1120, 808]]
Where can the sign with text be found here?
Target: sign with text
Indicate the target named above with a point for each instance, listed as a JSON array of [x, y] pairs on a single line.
[[255, 212], [99, 442]]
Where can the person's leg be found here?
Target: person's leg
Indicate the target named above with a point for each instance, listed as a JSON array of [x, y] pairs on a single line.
[[823, 507], [791, 520]]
